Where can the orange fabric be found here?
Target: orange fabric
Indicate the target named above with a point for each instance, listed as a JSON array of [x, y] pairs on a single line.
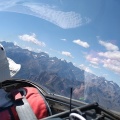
[[36, 102]]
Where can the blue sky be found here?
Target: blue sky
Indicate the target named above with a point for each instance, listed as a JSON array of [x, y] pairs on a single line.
[[81, 31]]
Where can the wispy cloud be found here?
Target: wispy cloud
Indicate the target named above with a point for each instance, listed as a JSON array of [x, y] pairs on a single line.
[[58, 17], [81, 43], [6, 4], [31, 38], [109, 46], [68, 54]]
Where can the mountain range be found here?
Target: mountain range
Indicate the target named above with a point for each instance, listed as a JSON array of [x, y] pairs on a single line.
[[58, 76]]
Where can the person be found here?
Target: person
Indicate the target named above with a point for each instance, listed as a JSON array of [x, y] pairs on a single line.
[[33, 102], [8, 68]]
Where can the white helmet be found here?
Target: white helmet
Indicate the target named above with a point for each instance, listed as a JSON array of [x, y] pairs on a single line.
[[8, 68]]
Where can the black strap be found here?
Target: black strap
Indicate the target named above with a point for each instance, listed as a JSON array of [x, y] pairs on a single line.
[[24, 110]]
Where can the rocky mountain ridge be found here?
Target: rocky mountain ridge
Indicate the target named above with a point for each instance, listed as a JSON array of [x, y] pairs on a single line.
[[36, 63], [58, 76]]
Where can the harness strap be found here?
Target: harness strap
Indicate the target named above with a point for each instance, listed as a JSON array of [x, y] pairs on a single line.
[[23, 108]]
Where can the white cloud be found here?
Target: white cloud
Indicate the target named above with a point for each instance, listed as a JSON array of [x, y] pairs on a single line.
[[60, 18], [63, 39], [87, 69], [81, 43], [113, 65], [15, 43], [111, 60], [109, 46], [110, 54], [93, 60], [31, 38], [68, 54]]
